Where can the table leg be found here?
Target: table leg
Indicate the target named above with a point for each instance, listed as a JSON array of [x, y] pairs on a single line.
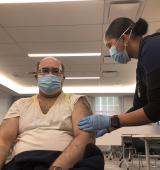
[[124, 157], [147, 154]]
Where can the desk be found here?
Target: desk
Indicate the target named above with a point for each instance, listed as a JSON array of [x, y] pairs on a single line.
[[115, 138], [147, 139], [107, 142]]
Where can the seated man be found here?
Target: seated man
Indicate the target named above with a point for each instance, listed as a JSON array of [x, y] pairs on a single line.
[[43, 130]]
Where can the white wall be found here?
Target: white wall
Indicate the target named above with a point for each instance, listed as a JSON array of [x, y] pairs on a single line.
[[5, 102], [126, 103]]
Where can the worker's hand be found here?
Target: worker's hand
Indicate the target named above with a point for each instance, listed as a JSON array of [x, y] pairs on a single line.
[[100, 133], [94, 123]]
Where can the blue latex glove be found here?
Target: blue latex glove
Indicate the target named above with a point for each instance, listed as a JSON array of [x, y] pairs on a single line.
[[100, 133], [94, 123]]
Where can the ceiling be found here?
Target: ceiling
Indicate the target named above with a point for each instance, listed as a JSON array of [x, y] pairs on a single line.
[[68, 27]]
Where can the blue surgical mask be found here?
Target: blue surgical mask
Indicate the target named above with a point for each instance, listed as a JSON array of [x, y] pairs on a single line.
[[118, 56], [49, 84]]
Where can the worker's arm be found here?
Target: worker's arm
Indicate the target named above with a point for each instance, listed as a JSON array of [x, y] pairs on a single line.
[[135, 118], [75, 150], [99, 122], [8, 134]]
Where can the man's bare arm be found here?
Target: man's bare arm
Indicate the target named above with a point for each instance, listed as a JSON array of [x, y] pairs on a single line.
[[8, 134], [75, 150]]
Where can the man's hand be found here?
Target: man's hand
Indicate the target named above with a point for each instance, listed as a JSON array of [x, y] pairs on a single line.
[[51, 168], [94, 123], [8, 134], [54, 168]]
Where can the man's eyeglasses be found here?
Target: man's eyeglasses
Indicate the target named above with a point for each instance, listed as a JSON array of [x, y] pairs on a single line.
[[48, 70]]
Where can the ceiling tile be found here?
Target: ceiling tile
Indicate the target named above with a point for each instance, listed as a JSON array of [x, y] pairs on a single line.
[[151, 10], [10, 50], [84, 74], [80, 60], [153, 27], [61, 47], [5, 38], [85, 68], [57, 33], [42, 14]]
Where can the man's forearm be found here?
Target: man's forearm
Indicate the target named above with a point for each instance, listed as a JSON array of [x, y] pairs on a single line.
[[74, 152], [4, 150]]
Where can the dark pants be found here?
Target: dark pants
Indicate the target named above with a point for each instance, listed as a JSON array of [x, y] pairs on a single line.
[[41, 160]]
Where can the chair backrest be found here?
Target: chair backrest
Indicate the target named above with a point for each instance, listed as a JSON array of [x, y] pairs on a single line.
[[139, 145]]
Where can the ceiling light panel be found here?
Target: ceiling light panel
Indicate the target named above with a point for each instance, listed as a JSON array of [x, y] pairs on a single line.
[[35, 1], [82, 78], [64, 55]]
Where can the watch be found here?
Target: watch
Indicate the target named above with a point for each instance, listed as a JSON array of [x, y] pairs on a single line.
[[115, 122], [57, 168]]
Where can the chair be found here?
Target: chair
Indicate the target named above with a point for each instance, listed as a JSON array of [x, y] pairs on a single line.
[[139, 145], [127, 151]]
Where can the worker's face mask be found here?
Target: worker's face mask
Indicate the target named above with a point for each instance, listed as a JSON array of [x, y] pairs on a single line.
[[50, 84], [119, 56]]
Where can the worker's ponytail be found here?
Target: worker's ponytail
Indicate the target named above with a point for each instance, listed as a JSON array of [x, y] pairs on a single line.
[[140, 28]]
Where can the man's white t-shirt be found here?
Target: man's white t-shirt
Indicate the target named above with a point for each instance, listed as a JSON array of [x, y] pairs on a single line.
[[38, 131]]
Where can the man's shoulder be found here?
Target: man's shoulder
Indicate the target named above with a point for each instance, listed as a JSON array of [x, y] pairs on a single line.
[[72, 94], [24, 100], [71, 97]]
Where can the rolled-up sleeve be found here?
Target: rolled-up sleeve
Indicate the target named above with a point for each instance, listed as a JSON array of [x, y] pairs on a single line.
[[13, 111]]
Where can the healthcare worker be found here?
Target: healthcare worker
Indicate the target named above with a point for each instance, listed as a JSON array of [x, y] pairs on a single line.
[[125, 41]]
